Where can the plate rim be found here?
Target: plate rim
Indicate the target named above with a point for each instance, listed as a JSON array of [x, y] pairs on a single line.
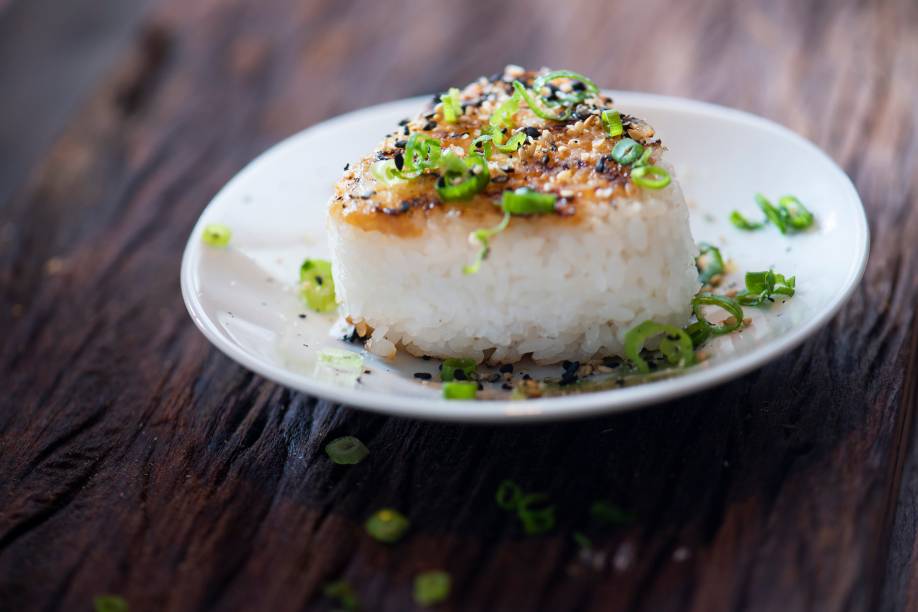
[[542, 409]]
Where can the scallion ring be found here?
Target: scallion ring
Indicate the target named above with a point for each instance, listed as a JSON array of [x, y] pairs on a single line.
[[650, 177], [462, 179], [462, 366], [568, 98], [460, 390], [709, 262], [730, 306], [317, 286], [452, 108], [483, 237], [502, 117], [795, 213], [771, 213], [612, 121], [346, 450], [536, 108], [699, 332], [676, 346], [760, 286], [627, 151], [216, 235], [431, 587], [387, 525], [741, 222], [525, 201]]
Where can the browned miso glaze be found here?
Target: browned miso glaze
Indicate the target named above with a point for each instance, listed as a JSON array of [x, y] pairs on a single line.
[[570, 159]]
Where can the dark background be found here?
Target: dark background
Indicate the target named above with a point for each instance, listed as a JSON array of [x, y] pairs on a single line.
[[135, 459]]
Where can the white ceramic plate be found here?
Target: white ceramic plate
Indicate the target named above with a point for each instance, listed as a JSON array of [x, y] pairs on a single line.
[[244, 298]]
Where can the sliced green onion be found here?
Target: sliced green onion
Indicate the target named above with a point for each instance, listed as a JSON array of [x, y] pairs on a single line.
[[676, 345], [346, 450], [511, 145], [216, 235], [385, 172], [343, 594], [627, 151], [502, 117], [483, 236], [462, 178], [431, 587], [110, 603], [452, 108], [387, 525], [723, 302], [709, 262], [570, 98], [699, 332], [612, 120], [790, 215], [738, 220], [536, 108], [457, 364], [650, 177], [535, 520], [525, 201], [460, 390], [339, 366], [493, 137], [317, 285], [644, 158], [422, 152], [760, 286], [606, 513], [508, 495], [771, 213], [795, 213]]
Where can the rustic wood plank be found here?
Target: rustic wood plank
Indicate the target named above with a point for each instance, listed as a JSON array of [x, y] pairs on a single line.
[[51, 55], [137, 460]]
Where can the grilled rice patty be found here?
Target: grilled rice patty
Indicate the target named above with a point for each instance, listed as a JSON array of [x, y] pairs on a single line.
[[570, 159]]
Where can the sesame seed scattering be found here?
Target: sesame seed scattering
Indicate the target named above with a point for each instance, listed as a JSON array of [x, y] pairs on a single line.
[[571, 158]]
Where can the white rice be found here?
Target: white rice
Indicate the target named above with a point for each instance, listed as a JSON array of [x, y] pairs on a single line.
[[553, 290]]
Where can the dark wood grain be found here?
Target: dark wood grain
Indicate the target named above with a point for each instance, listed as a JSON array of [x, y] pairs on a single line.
[[135, 459]]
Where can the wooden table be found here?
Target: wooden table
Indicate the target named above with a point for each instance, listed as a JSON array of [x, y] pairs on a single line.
[[137, 460]]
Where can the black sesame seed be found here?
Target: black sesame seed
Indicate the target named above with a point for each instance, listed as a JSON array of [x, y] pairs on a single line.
[[426, 357], [404, 121], [578, 86], [399, 161], [302, 316], [495, 377], [601, 165], [319, 280], [506, 368], [507, 387], [545, 159], [480, 387], [423, 375], [532, 132], [406, 130], [347, 166], [527, 377], [400, 144], [460, 375], [430, 125]]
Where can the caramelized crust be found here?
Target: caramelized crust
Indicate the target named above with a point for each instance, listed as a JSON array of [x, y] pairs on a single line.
[[570, 159]]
